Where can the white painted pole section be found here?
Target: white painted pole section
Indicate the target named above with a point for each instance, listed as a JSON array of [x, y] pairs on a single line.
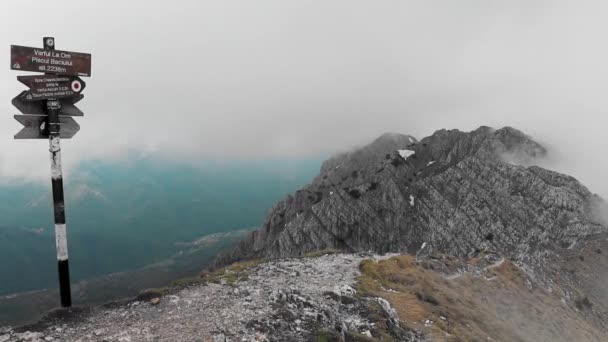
[[61, 241], [55, 149]]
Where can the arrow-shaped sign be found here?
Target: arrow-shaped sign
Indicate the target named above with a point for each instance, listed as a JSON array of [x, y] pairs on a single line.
[[36, 127], [43, 87], [39, 107]]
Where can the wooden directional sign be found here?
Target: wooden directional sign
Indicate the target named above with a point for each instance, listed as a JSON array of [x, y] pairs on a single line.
[[50, 61], [39, 107], [36, 127], [44, 87]]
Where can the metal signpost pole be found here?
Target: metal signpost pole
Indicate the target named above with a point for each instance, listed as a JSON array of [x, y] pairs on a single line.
[[53, 107]]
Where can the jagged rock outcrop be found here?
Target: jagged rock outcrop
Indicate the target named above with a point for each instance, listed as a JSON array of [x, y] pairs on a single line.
[[456, 193]]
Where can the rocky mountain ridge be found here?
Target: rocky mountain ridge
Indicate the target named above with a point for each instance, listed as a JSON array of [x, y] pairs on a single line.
[[453, 192]]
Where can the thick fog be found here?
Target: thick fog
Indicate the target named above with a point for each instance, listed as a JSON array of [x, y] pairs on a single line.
[[195, 80]]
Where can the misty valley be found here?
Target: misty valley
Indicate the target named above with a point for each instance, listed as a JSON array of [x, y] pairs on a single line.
[[128, 218]]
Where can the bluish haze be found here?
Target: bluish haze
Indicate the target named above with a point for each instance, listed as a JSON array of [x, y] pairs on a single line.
[[128, 215]]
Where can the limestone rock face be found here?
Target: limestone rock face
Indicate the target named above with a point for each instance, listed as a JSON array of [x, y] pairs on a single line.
[[452, 192]]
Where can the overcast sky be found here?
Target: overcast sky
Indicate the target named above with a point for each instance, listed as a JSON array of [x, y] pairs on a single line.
[[193, 79]]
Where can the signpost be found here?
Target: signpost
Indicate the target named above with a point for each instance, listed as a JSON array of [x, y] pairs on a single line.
[[48, 107]]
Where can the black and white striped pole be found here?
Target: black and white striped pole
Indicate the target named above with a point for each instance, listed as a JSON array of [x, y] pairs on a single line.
[[53, 108]]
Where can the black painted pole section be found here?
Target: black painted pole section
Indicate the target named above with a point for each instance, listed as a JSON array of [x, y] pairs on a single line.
[[53, 108]]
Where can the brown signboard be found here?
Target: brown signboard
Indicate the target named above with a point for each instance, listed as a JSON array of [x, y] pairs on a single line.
[[35, 127], [50, 61], [38, 107], [44, 87]]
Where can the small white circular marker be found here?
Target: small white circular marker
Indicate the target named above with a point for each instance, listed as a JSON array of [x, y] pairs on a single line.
[[50, 42], [76, 86]]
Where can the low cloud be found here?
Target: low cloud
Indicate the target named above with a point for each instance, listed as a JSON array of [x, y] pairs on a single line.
[[288, 79]]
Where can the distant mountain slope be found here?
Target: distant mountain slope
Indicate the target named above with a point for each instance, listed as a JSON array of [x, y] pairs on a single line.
[[28, 307]]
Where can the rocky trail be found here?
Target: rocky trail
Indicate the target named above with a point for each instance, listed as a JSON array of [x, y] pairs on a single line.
[[283, 300], [358, 297]]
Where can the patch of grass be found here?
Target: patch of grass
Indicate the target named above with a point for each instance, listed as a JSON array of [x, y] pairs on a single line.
[[511, 274], [398, 280], [351, 336], [244, 265], [186, 281], [583, 303], [148, 294], [416, 293], [327, 336], [503, 304], [383, 336], [427, 298], [231, 274]]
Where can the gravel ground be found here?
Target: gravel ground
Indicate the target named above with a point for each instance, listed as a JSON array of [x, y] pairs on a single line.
[[282, 300]]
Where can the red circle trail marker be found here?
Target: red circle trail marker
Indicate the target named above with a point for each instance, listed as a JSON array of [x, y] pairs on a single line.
[[76, 86]]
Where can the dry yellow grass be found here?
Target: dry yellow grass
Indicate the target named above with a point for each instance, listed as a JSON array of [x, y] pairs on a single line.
[[232, 273], [243, 265], [504, 308], [397, 274]]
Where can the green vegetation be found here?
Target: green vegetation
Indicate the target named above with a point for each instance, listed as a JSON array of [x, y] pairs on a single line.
[[328, 336]]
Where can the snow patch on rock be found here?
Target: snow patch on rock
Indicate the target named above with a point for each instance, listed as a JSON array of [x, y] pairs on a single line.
[[406, 153]]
